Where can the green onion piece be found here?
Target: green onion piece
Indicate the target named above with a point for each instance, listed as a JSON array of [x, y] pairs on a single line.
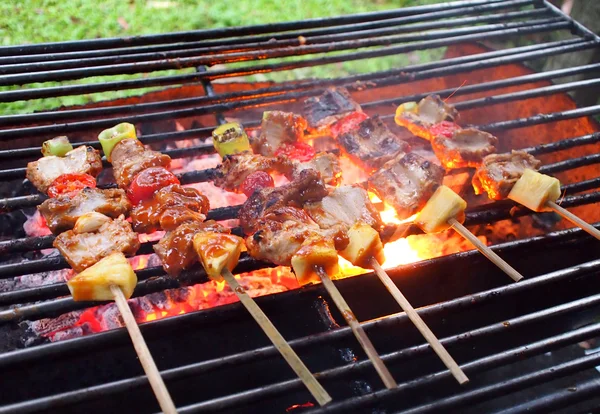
[[112, 136], [230, 139], [58, 147]]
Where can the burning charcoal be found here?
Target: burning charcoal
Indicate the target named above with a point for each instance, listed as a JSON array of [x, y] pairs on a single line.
[[110, 317], [46, 326], [159, 300]]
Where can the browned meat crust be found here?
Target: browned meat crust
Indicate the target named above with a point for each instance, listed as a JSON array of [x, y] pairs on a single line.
[[326, 164], [169, 207], [62, 212], [307, 187], [499, 173], [176, 248], [372, 144], [81, 160], [406, 183], [129, 157], [83, 250], [332, 105], [278, 128], [466, 148]]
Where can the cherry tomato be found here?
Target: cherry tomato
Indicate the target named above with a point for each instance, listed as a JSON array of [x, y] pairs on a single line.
[[256, 181], [147, 182], [70, 184], [298, 151], [444, 128], [347, 123]]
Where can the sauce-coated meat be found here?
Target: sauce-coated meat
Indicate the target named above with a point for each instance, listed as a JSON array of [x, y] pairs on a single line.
[[129, 157], [406, 183], [85, 249], [62, 212], [81, 160]]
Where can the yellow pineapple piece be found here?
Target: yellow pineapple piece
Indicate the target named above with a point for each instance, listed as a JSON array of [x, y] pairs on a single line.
[[95, 281], [314, 251], [217, 251], [364, 244], [443, 205], [533, 190]]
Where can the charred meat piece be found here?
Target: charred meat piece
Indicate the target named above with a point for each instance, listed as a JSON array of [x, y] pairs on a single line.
[[372, 143], [429, 111], [307, 187], [406, 183], [326, 164], [83, 250], [281, 232], [169, 207], [344, 205], [236, 168], [278, 128], [130, 157], [499, 173], [332, 105], [81, 160], [176, 248], [466, 148], [62, 212]]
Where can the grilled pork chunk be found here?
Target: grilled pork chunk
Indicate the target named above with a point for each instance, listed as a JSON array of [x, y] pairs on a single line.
[[278, 128], [169, 207], [176, 248], [466, 148], [499, 173], [62, 212], [130, 157], [406, 183], [372, 143], [281, 232], [429, 111], [83, 250], [344, 205], [307, 187], [332, 105], [326, 164], [81, 160]]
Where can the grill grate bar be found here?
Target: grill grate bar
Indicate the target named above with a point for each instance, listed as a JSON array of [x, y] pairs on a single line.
[[306, 342], [26, 94], [249, 50], [435, 40]]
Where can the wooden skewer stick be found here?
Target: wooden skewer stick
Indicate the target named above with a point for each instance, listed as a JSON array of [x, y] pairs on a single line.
[[357, 329], [419, 323], [309, 380], [156, 381], [486, 251], [574, 219]]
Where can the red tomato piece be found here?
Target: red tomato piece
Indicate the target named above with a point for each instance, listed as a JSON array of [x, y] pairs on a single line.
[[149, 181], [70, 184], [347, 123], [297, 151], [256, 181], [444, 128]]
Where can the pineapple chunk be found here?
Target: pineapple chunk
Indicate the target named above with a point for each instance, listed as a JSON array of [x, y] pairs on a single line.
[[95, 281], [533, 190], [217, 251], [364, 244], [443, 205], [314, 251]]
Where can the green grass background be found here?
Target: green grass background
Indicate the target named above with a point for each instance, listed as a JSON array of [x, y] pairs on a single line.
[[36, 21]]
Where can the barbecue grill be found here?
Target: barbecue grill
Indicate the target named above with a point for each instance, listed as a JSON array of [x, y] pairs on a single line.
[[518, 342]]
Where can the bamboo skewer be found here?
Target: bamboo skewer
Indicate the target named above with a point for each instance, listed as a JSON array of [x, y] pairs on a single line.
[[485, 250], [357, 329], [420, 324], [574, 219], [156, 381], [309, 380]]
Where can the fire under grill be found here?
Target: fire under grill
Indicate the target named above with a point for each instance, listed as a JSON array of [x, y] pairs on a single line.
[[526, 346]]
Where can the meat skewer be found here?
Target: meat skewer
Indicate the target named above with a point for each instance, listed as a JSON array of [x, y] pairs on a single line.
[[161, 203], [104, 272]]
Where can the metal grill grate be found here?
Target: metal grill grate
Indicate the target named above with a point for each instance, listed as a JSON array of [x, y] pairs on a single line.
[[527, 322]]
